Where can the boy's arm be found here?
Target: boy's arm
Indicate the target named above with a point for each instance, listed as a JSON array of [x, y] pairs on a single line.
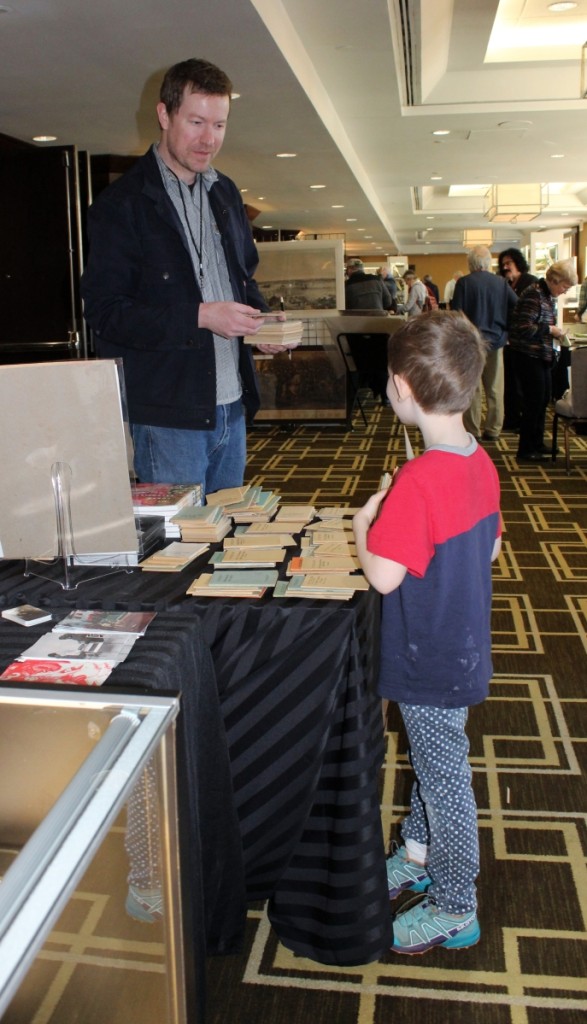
[[382, 573]]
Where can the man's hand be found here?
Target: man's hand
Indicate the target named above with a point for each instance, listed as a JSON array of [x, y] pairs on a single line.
[[230, 319]]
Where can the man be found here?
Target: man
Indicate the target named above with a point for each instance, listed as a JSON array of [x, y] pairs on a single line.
[[513, 265], [364, 291], [369, 351], [487, 301], [390, 283], [416, 294], [449, 288], [169, 288]]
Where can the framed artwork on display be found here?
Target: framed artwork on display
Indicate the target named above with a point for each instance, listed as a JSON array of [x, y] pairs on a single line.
[[303, 274]]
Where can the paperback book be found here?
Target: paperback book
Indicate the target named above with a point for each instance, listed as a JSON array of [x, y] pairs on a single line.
[[96, 621], [105, 648], [78, 673], [27, 615]]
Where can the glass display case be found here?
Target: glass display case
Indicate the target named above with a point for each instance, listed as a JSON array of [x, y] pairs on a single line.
[[90, 910]]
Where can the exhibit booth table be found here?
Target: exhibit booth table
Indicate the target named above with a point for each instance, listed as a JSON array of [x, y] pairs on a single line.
[[293, 709]]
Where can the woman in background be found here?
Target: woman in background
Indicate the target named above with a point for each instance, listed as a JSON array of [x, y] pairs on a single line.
[[533, 330]]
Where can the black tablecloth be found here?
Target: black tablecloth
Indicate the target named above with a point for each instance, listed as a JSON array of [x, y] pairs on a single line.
[[305, 739]]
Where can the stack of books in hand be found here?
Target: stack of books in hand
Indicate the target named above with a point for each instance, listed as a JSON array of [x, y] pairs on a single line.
[[165, 500], [277, 332], [82, 648]]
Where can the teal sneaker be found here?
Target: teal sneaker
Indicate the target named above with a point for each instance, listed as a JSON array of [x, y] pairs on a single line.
[[404, 874], [144, 904], [425, 926]]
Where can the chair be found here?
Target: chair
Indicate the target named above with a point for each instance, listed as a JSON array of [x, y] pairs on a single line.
[[347, 329], [571, 410]]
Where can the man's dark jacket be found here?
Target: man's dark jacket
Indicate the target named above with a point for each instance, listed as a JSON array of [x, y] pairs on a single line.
[[364, 291], [142, 297], [487, 300]]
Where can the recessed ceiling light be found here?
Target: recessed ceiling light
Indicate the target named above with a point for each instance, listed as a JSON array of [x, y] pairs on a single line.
[[235, 95], [266, 227], [563, 5], [317, 186], [337, 206], [351, 220], [44, 138], [556, 156], [429, 217], [442, 131], [360, 229], [244, 190], [436, 177], [261, 198], [285, 156]]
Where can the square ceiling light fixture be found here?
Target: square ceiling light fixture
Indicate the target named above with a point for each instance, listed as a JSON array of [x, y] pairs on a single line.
[[477, 236], [508, 204]]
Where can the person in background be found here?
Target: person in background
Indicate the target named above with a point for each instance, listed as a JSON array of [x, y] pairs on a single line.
[[449, 288], [364, 291], [487, 300], [582, 304], [369, 351], [415, 300], [532, 334], [432, 287], [169, 288], [513, 266], [390, 283], [427, 544]]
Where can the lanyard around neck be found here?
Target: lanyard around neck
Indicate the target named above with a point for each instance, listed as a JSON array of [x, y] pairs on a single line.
[[198, 248]]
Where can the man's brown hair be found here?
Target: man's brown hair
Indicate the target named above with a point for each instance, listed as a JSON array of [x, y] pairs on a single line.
[[441, 355], [197, 75]]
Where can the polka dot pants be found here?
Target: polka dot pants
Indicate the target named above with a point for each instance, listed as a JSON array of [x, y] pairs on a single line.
[[443, 812]]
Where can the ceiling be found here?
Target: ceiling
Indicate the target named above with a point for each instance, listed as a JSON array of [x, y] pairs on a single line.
[[356, 90]]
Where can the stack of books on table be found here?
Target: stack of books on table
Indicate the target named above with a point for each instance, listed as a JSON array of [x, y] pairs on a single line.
[[204, 523], [328, 586], [165, 500], [295, 517], [252, 583], [82, 648], [277, 332], [174, 557], [248, 557], [246, 504]]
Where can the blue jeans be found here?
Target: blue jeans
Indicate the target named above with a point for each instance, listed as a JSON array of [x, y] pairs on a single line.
[[443, 812], [213, 458]]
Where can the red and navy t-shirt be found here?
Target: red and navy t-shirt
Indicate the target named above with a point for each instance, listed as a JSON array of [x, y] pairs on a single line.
[[440, 519]]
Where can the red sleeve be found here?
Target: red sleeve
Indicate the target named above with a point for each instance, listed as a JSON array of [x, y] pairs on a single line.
[[403, 531]]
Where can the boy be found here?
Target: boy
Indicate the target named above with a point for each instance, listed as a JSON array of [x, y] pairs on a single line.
[[427, 546]]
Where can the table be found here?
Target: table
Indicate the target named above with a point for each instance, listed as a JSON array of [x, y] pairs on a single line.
[[305, 741]]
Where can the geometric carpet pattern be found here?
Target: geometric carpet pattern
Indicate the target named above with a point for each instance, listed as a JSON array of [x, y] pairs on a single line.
[[528, 752], [529, 758]]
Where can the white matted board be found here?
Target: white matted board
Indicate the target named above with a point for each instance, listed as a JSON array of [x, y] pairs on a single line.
[[63, 412]]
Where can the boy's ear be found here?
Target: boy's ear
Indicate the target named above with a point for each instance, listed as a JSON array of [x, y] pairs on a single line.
[[402, 387]]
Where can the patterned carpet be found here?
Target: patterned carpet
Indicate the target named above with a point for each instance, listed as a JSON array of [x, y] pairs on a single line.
[[529, 754]]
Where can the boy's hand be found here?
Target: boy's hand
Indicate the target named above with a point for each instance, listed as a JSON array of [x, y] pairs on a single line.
[[370, 510]]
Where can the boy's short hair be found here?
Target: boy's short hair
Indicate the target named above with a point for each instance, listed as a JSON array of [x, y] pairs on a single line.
[[441, 355]]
